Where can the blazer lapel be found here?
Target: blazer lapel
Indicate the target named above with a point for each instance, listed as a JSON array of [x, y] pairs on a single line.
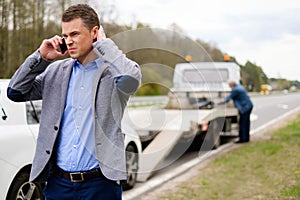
[[96, 80], [67, 70]]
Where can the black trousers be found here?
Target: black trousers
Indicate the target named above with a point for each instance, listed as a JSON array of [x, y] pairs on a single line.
[[244, 123], [100, 188]]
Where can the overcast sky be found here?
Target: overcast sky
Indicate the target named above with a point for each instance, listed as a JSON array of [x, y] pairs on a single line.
[[265, 32]]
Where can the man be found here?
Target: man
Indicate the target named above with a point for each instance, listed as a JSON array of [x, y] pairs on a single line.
[[244, 105], [80, 147]]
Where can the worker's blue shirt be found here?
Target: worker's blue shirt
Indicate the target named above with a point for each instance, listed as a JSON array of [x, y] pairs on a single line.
[[75, 145], [240, 99]]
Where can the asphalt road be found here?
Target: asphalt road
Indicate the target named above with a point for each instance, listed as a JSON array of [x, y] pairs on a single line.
[[266, 109]]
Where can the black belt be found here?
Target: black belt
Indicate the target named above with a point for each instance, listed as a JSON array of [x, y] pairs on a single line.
[[79, 176]]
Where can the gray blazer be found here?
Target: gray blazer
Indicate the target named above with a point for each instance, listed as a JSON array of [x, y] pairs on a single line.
[[116, 79]]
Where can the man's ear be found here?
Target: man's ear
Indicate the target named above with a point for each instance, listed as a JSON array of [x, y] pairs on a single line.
[[95, 33]]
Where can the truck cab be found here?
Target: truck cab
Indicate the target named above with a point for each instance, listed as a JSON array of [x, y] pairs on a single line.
[[201, 86], [200, 82]]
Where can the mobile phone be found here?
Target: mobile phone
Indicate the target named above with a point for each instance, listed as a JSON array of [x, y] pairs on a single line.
[[63, 46]]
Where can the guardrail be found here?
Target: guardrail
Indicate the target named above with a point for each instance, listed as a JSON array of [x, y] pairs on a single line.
[[163, 99], [147, 100]]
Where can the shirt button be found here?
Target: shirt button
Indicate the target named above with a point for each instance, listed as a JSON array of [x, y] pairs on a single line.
[[55, 128], [75, 146]]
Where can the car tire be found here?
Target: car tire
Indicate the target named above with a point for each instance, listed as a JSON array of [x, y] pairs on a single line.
[[22, 189], [131, 167]]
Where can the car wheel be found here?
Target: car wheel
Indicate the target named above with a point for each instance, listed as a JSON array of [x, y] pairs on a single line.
[[131, 167], [22, 189]]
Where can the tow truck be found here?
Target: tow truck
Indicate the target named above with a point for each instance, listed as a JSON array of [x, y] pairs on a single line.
[[191, 114]]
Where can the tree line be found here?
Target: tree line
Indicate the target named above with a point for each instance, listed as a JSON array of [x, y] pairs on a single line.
[[24, 24]]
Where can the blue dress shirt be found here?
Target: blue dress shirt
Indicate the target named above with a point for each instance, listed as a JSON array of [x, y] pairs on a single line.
[[75, 145]]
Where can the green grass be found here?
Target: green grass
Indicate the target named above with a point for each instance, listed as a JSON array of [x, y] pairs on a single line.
[[267, 169]]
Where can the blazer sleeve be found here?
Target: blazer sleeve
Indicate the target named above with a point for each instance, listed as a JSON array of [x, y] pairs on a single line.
[[127, 72], [25, 84]]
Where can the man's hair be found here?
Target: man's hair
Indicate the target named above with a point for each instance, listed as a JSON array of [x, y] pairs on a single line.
[[232, 82], [85, 12]]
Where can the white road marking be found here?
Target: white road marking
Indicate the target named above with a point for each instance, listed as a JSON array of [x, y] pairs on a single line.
[[253, 117], [283, 106]]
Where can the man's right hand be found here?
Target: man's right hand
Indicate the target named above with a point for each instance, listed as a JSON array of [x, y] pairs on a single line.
[[49, 48]]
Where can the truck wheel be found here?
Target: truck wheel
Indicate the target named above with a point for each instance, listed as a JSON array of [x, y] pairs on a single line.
[[131, 167], [215, 128], [21, 189], [216, 140]]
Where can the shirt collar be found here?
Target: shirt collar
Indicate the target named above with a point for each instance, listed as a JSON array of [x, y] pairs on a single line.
[[96, 63]]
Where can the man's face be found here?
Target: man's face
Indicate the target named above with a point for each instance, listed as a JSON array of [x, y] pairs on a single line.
[[79, 38]]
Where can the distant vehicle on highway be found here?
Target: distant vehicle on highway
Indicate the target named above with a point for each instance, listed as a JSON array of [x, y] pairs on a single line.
[[265, 89], [19, 124]]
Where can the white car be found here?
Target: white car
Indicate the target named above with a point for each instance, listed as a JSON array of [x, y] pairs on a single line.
[[19, 123]]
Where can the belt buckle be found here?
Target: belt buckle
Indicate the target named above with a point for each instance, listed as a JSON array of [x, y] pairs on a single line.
[[77, 177]]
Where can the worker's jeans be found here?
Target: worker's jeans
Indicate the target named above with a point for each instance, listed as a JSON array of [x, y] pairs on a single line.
[[95, 189], [244, 124]]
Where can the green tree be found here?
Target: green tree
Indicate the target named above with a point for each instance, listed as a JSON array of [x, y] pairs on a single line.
[[253, 76], [4, 36]]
